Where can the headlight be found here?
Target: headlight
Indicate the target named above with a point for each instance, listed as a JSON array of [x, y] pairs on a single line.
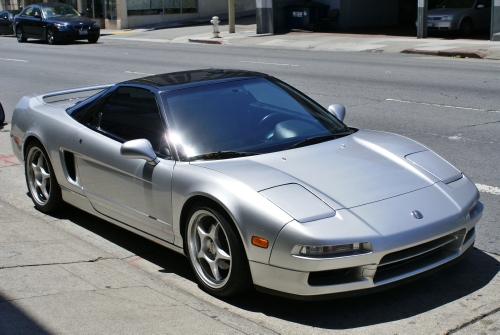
[[335, 250], [60, 26], [95, 25], [447, 18]]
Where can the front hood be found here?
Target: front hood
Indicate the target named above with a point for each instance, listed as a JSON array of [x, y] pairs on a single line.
[[365, 167], [71, 20], [446, 11]]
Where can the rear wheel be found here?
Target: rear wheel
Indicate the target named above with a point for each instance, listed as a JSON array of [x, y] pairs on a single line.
[[216, 254], [466, 28], [20, 35], [41, 180], [51, 39]]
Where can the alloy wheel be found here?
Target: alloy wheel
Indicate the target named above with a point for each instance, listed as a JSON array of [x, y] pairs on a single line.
[[209, 249], [39, 178]]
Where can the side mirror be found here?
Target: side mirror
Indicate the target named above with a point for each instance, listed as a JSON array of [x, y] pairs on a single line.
[[338, 111], [37, 16], [139, 149]]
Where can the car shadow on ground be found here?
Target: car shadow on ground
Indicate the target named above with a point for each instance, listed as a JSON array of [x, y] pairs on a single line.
[[474, 272]]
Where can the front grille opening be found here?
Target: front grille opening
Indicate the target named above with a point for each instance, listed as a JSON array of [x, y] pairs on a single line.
[[333, 277], [412, 260]]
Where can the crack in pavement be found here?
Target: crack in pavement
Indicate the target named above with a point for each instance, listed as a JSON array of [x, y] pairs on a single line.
[[476, 319], [64, 263]]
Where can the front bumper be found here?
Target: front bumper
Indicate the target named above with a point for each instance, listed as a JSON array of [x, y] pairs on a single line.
[[72, 35], [402, 250]]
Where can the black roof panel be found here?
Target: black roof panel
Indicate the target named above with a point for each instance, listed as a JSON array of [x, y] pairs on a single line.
[[184, 79]]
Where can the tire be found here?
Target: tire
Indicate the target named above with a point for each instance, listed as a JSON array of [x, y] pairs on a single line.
[[215, 252], [466, 28], [2, 115], [41, 180], [20, 35], [93, 40], [51, 39]]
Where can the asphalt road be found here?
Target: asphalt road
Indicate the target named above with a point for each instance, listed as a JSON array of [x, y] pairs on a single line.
[[450, 105]]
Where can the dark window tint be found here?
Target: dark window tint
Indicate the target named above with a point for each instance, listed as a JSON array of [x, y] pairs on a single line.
[[132, 113], [36, 11]]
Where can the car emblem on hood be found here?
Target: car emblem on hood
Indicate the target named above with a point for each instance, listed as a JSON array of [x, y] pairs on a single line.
[[417, 214]]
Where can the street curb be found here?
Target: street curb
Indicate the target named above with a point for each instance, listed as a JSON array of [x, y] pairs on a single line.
[[455, 53], [207, 41]]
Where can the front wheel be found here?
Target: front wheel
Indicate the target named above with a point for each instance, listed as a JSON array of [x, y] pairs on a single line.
[[20, 35], [215, 252], [93, 40], [50, 37], [466, 28], [41, 180]]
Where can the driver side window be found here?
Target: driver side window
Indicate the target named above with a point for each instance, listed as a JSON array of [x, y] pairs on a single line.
[[131, 113]]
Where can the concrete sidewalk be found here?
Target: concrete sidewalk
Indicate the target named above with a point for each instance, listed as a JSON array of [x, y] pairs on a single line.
[[245, 35]]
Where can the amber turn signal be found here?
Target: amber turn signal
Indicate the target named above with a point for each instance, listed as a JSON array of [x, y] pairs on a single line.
[[260, 242]]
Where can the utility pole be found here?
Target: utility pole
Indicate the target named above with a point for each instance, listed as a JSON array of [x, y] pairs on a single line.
[[231, 16], [422, 18]]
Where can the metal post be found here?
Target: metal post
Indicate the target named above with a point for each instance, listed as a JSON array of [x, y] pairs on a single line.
[[264, 16], [422, 19], [495, 21], [231, 16]]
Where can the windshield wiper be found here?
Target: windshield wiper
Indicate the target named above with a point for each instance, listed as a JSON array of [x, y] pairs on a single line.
[[318, 139], [222, 155]]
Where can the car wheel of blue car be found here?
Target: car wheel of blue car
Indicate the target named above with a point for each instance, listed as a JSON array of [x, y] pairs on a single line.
[[42, 184], [51, 39], [216, 253], [20, 35]]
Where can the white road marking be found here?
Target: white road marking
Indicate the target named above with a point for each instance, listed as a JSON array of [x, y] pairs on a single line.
[[15, 60], [488, 189], [247, 61], [148, 74], [445, 106]]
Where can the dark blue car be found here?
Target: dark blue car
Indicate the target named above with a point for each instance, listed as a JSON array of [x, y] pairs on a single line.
[[54, 23]]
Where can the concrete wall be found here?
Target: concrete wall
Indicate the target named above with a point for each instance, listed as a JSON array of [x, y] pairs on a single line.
[[363, 13]]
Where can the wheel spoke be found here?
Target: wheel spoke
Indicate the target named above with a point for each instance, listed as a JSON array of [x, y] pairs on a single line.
[[43, 188]]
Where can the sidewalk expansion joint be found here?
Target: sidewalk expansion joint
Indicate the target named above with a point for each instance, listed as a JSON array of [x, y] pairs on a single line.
[[63, 263], [476, 319]]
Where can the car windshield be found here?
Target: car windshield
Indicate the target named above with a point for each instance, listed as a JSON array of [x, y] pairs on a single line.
[[55, 11], [456, 4], [249, 116]]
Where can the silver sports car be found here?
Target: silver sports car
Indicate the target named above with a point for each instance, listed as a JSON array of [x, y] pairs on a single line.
[[253, 181]]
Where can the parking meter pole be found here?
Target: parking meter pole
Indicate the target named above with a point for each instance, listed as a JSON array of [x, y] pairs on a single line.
[[231, 16], [422, 18], [495, 21], [264, 16]]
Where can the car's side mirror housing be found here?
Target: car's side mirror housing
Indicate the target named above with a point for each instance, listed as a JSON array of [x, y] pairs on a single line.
[[338, 111], [37, 16], [139, 149]]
